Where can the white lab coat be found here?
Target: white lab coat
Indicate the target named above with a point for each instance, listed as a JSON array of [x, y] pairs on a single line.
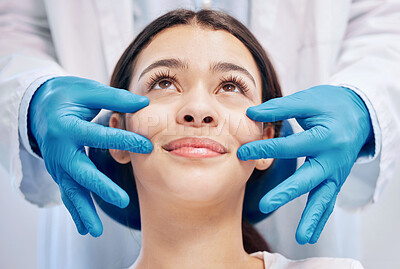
[[355, 43]]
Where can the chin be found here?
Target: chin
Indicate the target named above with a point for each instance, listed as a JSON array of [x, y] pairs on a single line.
[[204, 184], [199, 181]]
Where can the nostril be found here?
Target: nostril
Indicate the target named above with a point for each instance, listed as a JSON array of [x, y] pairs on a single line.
[[188, 118], [208, 119]]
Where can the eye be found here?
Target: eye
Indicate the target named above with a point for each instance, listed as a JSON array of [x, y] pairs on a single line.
[[233, 84], [162, 80], [230, 88], [164, 85]]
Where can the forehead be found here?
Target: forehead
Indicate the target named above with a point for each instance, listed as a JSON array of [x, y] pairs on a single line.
[[198, 46]]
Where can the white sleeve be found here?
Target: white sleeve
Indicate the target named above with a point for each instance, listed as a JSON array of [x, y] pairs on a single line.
[[369, 63], [371, 150], [27, 59]]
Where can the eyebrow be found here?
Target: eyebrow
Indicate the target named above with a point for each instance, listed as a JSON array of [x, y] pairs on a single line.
[[180, 64], [226, 67], [170, 63]]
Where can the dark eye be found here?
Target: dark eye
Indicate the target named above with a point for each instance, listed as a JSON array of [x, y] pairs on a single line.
[[164, 84], [230, 88]]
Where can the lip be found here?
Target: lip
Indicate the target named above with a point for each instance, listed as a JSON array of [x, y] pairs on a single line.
[[195, 147]]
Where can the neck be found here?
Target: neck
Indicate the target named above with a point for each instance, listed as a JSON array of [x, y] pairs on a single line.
[[176, 234]]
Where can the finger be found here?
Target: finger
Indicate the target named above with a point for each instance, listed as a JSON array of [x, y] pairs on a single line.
[[322, 222], [291, 106], [306, 178], [74, 214], [83, 203], [94, 135], [105, 97], [85, 173], [306, 143], [320, 203]]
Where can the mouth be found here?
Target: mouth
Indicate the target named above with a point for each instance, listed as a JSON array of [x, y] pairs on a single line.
[[195, 147]]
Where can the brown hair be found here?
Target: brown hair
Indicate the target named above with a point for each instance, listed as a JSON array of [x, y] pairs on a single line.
[[215, 20]]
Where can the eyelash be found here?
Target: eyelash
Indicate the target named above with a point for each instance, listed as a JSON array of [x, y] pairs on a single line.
[[165, 75], [159, 76], [236, 81]]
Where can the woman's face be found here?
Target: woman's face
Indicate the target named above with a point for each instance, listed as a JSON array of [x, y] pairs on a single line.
[[200, 83]]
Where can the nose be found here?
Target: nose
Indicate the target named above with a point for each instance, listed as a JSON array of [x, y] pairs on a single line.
[[197, 113]]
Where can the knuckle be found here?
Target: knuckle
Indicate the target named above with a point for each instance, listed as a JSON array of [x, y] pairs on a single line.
[[319, 133], [341, 140], [63, 127]]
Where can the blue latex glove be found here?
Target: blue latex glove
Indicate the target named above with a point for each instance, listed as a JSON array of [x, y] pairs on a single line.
[[337, 125], [59, 116]]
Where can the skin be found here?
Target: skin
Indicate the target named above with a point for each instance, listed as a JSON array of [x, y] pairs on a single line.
[[191, 208]]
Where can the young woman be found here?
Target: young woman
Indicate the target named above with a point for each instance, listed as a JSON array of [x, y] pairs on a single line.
[[201, 71]]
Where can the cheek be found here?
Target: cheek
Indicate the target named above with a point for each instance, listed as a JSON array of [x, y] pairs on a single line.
[[240, 127], [148, 121], [244, 129]]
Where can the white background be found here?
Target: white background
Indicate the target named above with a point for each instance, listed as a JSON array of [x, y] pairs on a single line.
[[18, 226]]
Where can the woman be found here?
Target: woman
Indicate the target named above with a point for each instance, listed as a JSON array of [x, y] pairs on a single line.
[[201, 71]]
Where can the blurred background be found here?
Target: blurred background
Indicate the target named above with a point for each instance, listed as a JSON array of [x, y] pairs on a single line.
[[19, 223]]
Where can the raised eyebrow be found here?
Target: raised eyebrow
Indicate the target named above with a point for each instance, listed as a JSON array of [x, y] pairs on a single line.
[[170, 63], [226, 67]]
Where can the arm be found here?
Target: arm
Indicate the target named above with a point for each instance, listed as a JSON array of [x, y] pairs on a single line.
[[369, 63], [56, 111], [27, 59], [339, 124]]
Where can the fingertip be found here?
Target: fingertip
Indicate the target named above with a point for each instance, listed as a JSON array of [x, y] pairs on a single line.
[[314, 238], [96, 233], [304, 232], [243, 153], [240, 154], [138, 102], [82, 230], [145, 101], [301, 240], [74, 213], [116, 196], [79, 225], [251, 112], [141, 145], [124, 201], [134, 102], [146, 146], [96, 230], [265, 207], [301, 237], [138, 144]]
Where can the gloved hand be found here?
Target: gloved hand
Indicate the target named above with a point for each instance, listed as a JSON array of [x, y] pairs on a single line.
[[337, 125], [59, 116]]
